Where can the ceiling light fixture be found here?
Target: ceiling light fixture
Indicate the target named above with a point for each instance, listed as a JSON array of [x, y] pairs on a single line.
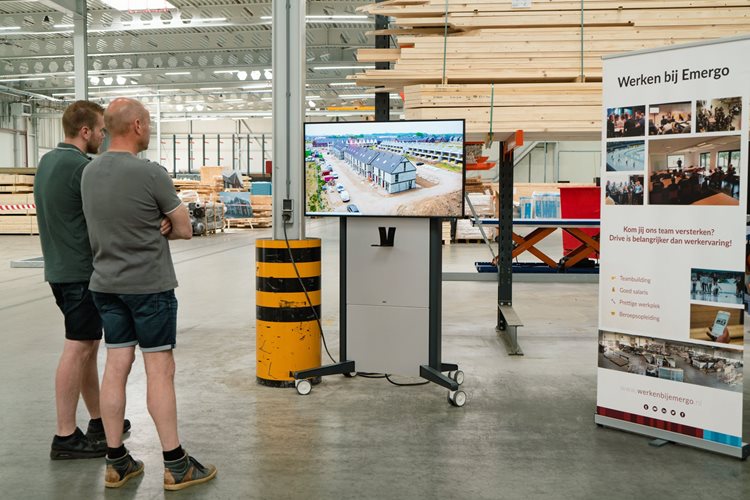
[[330, 19], [268, 74], [337, 68], [131, 5], [121, 80], [242, 75], [94, 80], [108, 80], [255, 75], [22, 79], [257, 86], [10, 28], [177, 73]]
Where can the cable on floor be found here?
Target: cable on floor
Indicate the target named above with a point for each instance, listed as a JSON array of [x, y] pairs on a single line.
[[307, 296]]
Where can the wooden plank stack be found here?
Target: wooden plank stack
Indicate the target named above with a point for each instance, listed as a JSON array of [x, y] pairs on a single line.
[[17, 208], [262, 210], [544, 61], [16, 183]]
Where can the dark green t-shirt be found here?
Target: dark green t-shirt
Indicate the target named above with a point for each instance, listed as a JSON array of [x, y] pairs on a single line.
[[62, 226], [124, 199]]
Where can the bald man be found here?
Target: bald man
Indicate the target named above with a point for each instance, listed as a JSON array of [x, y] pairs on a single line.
[[125, 200]]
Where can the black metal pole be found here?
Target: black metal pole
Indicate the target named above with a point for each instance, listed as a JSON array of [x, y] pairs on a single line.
[[204, 148], [190, 152], [174, 155], [218, 149], [505, 233], [248, 155], [382, 99], [263, 154]]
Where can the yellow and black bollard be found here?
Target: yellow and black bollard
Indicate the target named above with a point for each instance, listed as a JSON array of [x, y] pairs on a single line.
[[287, 333]]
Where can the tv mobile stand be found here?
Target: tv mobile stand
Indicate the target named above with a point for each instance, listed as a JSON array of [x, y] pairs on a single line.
[[391, 303]]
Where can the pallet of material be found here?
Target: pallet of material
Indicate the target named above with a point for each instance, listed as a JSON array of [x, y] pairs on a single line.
[[262, 222], [466, 232], [527, 189], [239, 223], [446, 232], [16, 183], [17, 204], [18, 224], [545, 61]]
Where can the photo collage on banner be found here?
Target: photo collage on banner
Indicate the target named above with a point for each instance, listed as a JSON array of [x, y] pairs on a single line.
[[674, 268]]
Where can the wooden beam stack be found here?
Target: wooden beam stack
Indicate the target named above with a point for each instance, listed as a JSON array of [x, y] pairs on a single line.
[[17, 208], [545, 61]]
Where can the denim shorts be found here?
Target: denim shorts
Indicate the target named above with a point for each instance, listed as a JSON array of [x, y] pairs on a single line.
[[82, 321], [148, 320]]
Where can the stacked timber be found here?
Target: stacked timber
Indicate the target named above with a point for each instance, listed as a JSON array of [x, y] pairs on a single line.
[[544, 60], [17, 208]]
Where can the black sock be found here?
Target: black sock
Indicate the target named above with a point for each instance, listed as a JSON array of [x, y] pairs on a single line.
[[97, 423], [176, 454], [115, 453]]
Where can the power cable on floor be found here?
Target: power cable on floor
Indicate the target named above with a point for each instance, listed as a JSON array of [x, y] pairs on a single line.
[[307, 296]]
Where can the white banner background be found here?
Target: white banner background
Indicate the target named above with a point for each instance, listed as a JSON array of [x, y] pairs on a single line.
[[650, 283]]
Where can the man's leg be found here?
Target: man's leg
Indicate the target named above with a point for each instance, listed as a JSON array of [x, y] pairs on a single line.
[[71, 373], [161, 400], [180, 469], [90, 384], [112, 398]]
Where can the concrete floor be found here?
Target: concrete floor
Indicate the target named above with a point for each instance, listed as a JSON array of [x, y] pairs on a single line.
[[527, 430]]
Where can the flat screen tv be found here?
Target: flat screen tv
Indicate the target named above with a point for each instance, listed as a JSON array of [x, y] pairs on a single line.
[[385, 169]]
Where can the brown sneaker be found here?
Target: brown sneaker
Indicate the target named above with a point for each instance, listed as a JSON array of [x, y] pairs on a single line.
[[120, 470], [186, 471]]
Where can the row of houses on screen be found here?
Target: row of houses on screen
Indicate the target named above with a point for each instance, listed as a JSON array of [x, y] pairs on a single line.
[[392, 172], [448, 152]]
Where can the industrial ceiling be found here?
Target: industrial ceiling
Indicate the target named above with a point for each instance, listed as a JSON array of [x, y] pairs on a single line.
[[193, 56]]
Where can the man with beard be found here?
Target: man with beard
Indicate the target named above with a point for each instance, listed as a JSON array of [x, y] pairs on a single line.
[[67, 268], [125, 200]]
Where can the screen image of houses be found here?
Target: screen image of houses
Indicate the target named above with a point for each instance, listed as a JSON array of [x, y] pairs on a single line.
[[413, 168]]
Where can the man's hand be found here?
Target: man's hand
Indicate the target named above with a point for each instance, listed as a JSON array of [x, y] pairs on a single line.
[[166, 226]]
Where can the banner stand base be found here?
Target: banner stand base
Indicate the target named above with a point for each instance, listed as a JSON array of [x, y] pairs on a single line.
[[733, 451]]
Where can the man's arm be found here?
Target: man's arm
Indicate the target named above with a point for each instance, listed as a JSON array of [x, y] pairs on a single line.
[[182, 229]]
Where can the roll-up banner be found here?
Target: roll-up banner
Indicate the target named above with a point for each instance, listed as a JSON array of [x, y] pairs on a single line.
[[673, 244]]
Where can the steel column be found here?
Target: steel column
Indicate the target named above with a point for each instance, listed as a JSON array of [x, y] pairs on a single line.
[[289, 58], [382, 99]]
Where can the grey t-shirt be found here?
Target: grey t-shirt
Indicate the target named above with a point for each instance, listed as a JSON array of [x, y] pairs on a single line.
[[124, 201]]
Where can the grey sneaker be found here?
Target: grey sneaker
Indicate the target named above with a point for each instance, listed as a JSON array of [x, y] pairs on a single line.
[[186, 471], [120, 470]]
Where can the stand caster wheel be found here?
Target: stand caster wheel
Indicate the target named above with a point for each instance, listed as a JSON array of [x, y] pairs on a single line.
[[350, 374], [457, 398], [303, 387], [457, 375]]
